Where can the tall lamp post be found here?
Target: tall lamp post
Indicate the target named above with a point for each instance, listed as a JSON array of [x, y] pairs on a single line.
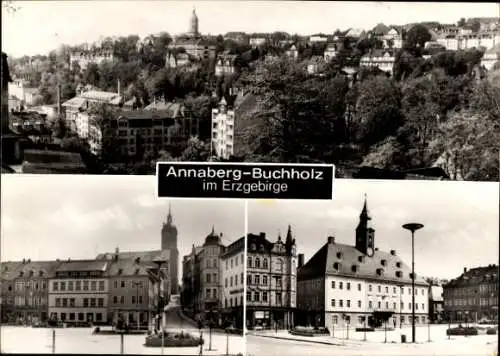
[[413, 227], [136, 284]]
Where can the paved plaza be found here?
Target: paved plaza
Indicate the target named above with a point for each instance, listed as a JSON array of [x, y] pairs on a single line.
[[272, 343]]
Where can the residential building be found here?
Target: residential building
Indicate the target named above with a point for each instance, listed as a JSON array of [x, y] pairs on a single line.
[[473, 295], [190, 281], [153, 257], [8, 273], [491, 57], [31, 125], [383, 60], [257, 41], [232, 269], [436, 308], [175, 60], [358, 285], [271, 281], [330, 52], [209, 293], [31, 292], [355, 33], [19, 90], [222, 139], [84, 58], [319, 38], [240, 37], [78, 293], [393, 38], [292, 52], [225, 64], [135, 289], [316, 65], [169, 243]]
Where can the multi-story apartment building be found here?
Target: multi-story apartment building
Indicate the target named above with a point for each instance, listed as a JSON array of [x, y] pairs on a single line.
[[8, 273], [209, 293], [19, 90], [292, 52], [382, 60], [135, 291], [473, 295], [436, 309], [78, 293], [222, 140], [232, 269], [271, 281], [84, 58], [190, 281], [225, 64], [353, 285]]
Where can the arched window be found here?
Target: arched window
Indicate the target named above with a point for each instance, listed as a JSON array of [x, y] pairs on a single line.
[[264, 263], [257, 262], [280, 265], [249, 262]]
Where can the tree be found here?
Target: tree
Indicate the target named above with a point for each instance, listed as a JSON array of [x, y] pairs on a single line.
[[103, 132], [378, 110], [91, 74], [200, 108], [196, 151], [416, 37]]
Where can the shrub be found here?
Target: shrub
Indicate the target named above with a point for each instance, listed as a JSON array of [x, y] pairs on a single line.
[[462, 331], [491, 331], [365, 329], [173, 340], [309, 331]]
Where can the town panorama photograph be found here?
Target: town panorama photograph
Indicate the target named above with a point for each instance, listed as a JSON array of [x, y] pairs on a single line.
[[382, 90]]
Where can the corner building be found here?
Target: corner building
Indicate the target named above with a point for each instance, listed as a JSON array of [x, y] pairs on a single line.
[[343, 285], [271, 282]]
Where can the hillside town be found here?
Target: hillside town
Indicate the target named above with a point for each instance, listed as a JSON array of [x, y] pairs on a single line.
[[121, 104]]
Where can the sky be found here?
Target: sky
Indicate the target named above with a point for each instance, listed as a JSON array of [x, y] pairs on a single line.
[[38, 27], [45, 217], [461, 221]]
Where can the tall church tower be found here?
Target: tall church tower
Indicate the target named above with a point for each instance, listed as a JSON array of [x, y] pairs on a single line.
[[169, 242], [365, 234], [193, 29]]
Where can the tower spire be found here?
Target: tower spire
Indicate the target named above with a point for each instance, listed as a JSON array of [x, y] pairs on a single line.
[[169, 216], [365, 214], [289, 237], [213, 230]]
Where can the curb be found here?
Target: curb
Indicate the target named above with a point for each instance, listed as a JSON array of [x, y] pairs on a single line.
[[299, 340]]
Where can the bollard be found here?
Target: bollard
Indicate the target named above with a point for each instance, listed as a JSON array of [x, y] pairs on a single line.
[[122, 341], [53, 341]]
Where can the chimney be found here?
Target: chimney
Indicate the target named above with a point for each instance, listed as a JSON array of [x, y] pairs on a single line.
[[465, 269], [393, 252], [221, 234], [24, 261], [331, 239], [263, 235], [301, 260]]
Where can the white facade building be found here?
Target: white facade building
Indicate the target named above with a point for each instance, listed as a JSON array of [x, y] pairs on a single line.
[[222, 141], [383, 61], [232, 268]]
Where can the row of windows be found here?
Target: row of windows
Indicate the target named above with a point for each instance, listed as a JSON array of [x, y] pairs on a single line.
[[255, 263], [233, 280], [471, 301], [340, 285], [81, 316], [233, 302], [211, 278], [86, 302], [211, 263], [256, 280], [134, 299], [234, 261], [28, 301], [78, 285], [370, 304], [258, 296], [211, 293], [131, 284], [362, 320], [20, 285]]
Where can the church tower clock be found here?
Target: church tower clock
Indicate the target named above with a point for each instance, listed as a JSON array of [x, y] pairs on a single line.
[[365, 234]]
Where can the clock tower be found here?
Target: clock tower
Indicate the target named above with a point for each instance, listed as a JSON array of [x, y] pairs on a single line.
[[365, 234], [169, 242]]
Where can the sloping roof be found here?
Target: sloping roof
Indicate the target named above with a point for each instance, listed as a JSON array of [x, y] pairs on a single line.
[[147, 114], [83, 265], [146, 256], [10, 270], [473, 276], [102, 96], [51, 157], [343, 256], [128, 267], [355, 32], [175, 109], [39, 268]]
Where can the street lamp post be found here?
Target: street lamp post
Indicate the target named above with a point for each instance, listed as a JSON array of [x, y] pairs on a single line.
[[136, 285], [413, 227]]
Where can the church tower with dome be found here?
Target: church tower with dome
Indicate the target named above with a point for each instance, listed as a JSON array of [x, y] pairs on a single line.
[[169, 242], [193, 30]]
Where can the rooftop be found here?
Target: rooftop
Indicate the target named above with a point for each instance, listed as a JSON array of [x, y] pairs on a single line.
[[474, 276], [145, 256], [83, 265]]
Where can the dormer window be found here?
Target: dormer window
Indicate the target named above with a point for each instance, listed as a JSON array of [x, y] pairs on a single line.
[[137, 271], [40, 273], [380, 271], [21, 274], [398, 264], [339, 255], [336, 266], [253, 247], [411, 275], [354, 268], [383, 262], [361, 259], [120, 271]]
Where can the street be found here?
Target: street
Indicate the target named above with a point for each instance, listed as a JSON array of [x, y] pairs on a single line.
[[439, 345]]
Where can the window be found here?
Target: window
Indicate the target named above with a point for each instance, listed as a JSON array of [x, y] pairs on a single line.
[[379, 288], [333, 302], [409, 305], [214, 277], [70, 285], [249, 262], [257, 280], [225, 281], [402, 305], [80, 316], [333, 284], [214, 293], [394, 290], [63, 285], [92, 302], [341, 286], [227, 266], [85, 302], [63, 316], [101, 285], [423, 306], [335, 319], [100, 302], [379, 305], [122, 300], [208, 278], [369, 287], [359, 286], [359, 303], [387, 289], [278, 282], [348, 303], [78, 285], [348, 286], [85, 285], [394, 305], [72, 316], [257, 262], [264, 280], [133, 299], [370, 304], [140, 299], [98, 317], [341, 303], [115, 299], [93, 285], [264, 297], [278, 298], [58, 302], [207, 293], [249, 296], [122, 284], [249, 279], [241, 278], [55, 286], [256, 296], [72, 302], [115, 284], [386, 305], [423, 291], [416, 306], [264, 263]]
